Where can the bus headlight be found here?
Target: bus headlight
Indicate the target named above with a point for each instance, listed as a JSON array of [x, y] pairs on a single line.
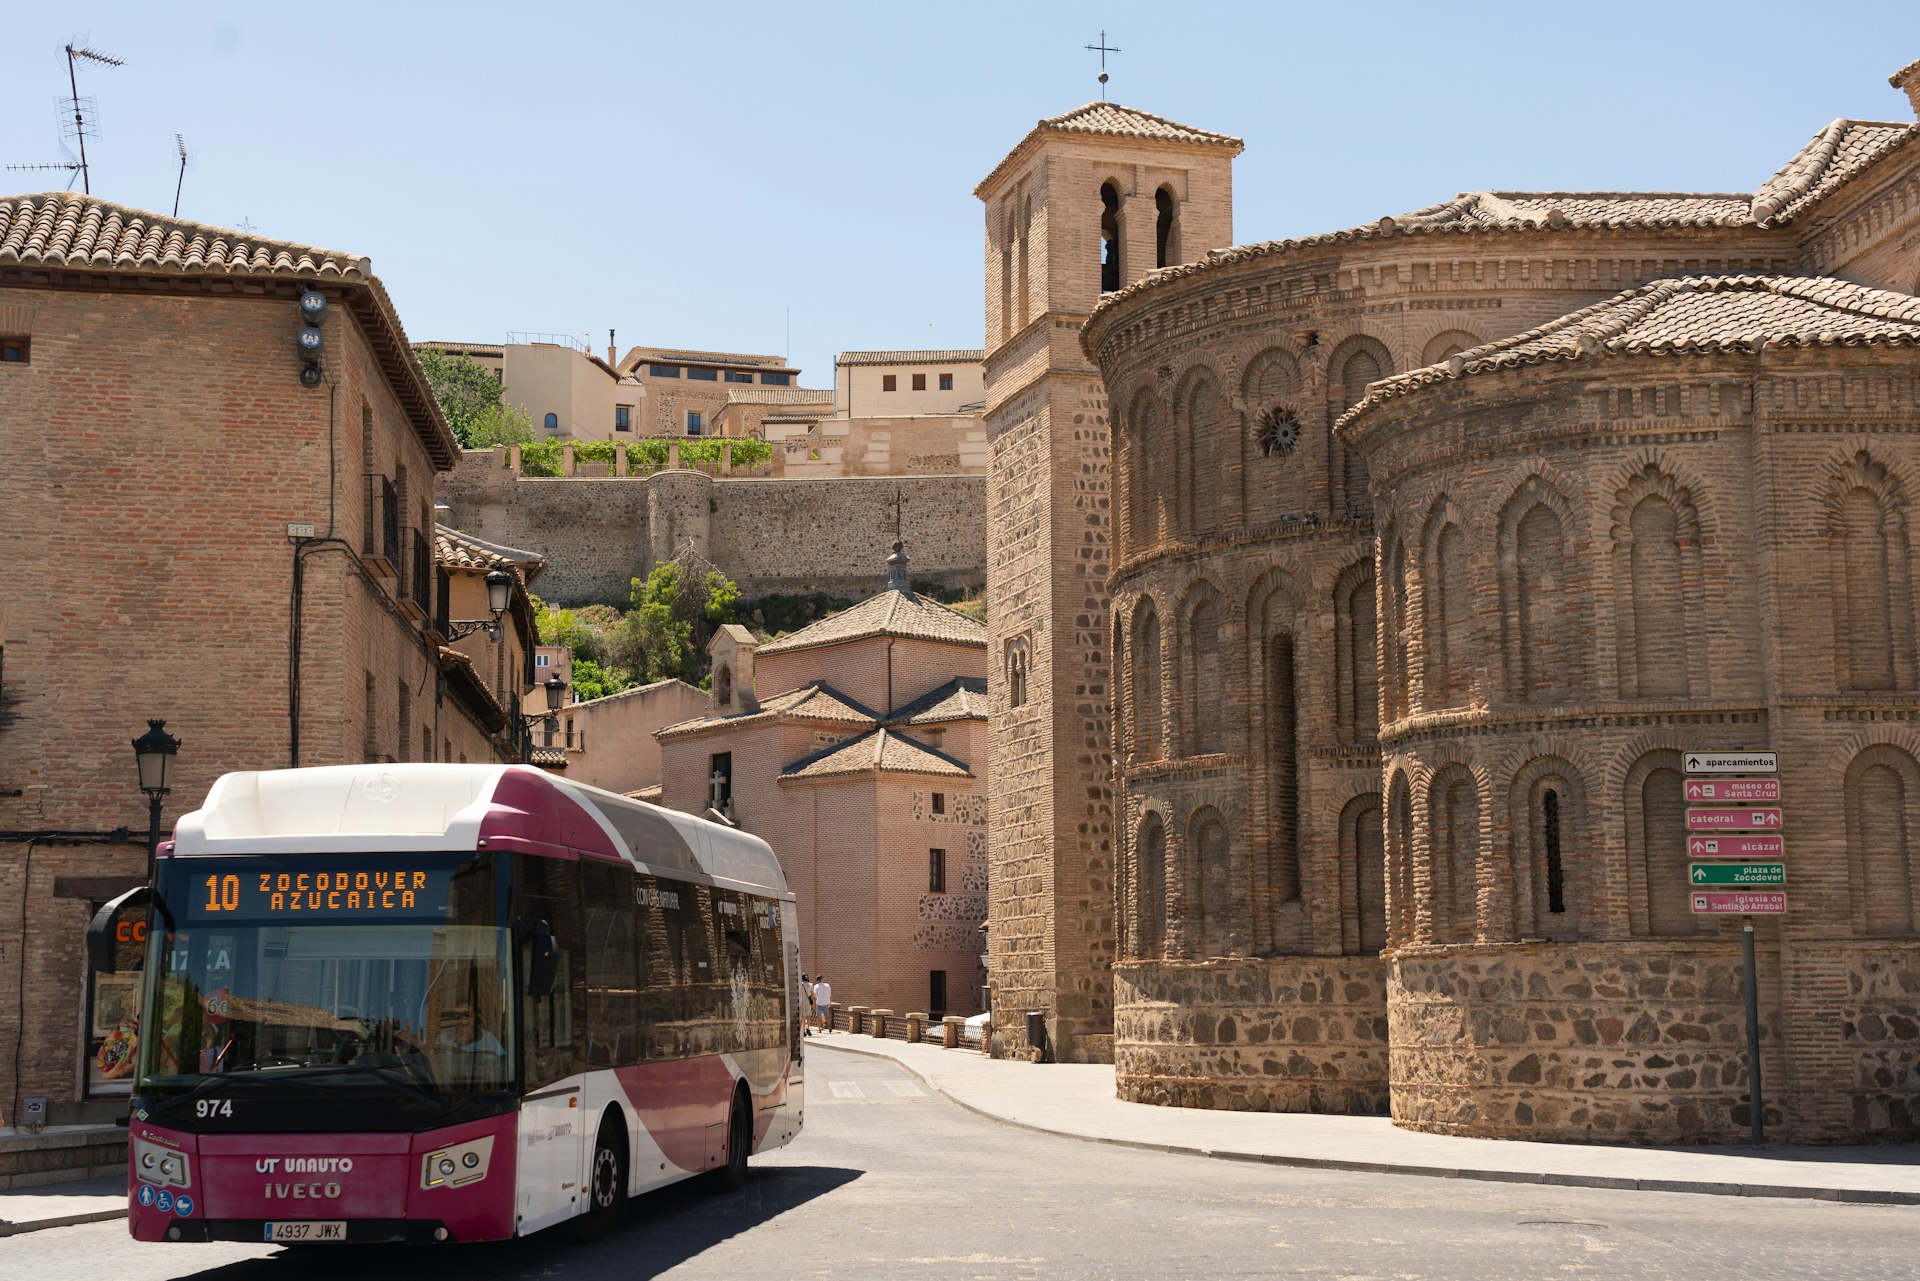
[[457, 1164], [163, 1167]]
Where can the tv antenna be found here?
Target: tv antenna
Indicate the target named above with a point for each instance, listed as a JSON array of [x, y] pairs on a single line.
[[81, 108], [180, 146], [69, 166]]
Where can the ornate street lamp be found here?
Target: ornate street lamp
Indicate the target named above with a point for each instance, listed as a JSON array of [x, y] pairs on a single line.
[[499, 596], [154, 751]]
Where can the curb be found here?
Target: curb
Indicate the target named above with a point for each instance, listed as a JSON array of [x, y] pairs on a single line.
[[24, 1226], [1856, 1196]]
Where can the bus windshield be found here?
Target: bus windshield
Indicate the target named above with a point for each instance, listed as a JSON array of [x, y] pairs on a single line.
[[387, 972]]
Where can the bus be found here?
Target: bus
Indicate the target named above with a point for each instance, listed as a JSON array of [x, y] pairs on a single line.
[[433, 1003]]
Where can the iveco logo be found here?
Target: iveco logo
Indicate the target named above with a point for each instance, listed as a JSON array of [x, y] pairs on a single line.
[[301, 1191]]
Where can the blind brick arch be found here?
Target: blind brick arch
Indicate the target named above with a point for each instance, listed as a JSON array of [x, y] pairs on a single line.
[[1554, 882], [1146, 736], [1356, 362], [1402, 915], [1882, 793], [1278, 655], [1363, 877], [1215, 930], [1661, 612], [1150, 875], [1870, 573], [1145, 502], [1446, 345], [1544, 647], [1656, 811], [1203, 672], [1454, 852], [1200, 421], [1446, 623], [1278, 479], [1356, 656]]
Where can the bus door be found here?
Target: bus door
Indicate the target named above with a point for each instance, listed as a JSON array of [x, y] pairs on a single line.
[[554, 1142]]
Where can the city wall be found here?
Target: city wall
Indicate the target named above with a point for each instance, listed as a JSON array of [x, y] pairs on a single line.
[[771, 536]]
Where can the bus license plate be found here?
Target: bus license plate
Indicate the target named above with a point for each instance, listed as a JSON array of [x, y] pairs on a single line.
[[335, 1230]]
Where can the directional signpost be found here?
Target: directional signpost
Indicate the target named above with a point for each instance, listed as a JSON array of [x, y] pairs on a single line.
[[1737, 846], [1772, 876], [1734, 813], [1743, 791]]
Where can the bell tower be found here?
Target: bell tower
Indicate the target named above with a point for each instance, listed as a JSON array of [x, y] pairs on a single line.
[[1087, 203]]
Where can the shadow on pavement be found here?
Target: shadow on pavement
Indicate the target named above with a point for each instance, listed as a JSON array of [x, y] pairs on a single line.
[[662, 1230]]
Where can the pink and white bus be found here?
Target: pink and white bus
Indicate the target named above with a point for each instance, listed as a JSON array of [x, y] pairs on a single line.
[[451, 1003]]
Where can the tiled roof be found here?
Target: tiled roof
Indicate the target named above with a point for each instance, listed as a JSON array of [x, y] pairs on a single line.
[[547, 758], [81, 233], [818, 701], [61, 229], [881, 751], [1114, 120], [1695, 314], [779, 396], [947, 357], [964, 698], [1836, 154], [891, 613], [463, 551]]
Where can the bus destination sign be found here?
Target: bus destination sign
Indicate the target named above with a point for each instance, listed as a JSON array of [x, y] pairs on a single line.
[[361, 890]]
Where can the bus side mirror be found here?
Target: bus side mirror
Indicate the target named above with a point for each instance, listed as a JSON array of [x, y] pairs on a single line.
[[543, 966], [122, 921]]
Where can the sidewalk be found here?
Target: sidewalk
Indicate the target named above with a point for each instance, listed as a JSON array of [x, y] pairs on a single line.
[[61, 1205], [1077, 1100]]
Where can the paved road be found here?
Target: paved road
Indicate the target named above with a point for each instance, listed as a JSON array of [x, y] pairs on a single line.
[[889, 1181]]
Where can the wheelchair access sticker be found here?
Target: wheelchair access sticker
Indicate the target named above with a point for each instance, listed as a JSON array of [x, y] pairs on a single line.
[[165, 1202]]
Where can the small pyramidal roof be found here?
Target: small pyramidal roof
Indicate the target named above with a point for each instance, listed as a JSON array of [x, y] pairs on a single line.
[[897, 611], [1116, 121], [1696, 314], [1112, 120]]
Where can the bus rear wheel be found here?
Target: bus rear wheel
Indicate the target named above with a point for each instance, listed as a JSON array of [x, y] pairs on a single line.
[[733, 1175], [606, 1184]]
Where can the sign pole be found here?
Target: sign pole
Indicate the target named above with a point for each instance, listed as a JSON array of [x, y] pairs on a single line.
[[1754, 1102]]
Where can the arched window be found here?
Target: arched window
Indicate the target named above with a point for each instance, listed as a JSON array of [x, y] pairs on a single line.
[[1151, 855], [1207, 847], [1206, 731], [1880, 788], [1455, 824], [1109, 238], [1283, 769], [1356, 656], [551, 422], [1019, 657], [1147, 711], [1363, 875], [1552, 889], [723, 684], [1163, 246], [1401, 913]]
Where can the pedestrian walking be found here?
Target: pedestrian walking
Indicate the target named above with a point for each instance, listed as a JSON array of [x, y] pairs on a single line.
[[806, 994], [823, 1002]]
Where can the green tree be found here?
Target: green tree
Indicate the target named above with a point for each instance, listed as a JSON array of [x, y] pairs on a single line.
[[674, 612], [470, 398]]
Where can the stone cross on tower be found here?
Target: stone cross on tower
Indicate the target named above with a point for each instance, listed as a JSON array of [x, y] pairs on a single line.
[[898, 562], [1103, 49]]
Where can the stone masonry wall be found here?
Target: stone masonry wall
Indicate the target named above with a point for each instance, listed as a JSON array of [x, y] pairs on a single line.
[[828, 535], [1276, 1034]]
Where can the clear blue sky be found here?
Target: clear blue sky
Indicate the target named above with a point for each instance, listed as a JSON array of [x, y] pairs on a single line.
[[689, 174]]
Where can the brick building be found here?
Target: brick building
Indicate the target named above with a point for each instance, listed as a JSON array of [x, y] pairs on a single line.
[[855, 747], [194, 535], [1398, 708]]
